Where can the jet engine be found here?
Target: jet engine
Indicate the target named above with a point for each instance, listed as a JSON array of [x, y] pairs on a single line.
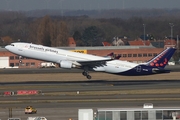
[[66, 64]]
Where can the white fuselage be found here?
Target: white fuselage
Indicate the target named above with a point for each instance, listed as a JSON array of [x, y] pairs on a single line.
[[57, 55], [69, 59]]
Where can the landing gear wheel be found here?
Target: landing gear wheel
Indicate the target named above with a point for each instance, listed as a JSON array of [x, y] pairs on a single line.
[[85, 73], [88, 77]]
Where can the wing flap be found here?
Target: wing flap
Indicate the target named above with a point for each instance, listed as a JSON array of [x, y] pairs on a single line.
[[94, 63]]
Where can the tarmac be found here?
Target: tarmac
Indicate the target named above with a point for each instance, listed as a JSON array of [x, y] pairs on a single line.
[[59, 99]]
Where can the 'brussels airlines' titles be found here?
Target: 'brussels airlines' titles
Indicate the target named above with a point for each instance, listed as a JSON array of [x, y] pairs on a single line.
[[42, 49]]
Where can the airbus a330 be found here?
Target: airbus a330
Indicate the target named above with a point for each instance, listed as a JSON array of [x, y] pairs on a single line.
[[87, 62]]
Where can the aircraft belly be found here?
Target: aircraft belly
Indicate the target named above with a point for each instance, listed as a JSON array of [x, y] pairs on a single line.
[[17, 51], [100, 69], [115, 69]]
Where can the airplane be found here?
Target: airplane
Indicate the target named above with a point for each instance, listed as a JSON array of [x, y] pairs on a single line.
[[87, 62]]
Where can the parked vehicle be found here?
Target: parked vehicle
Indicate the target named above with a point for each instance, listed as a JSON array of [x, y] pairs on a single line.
[[36, 118], [30, 110], [13, 119], [47, 65], [31, 118]]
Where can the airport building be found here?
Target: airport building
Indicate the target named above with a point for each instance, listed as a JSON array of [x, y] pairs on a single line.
[[138, 114]]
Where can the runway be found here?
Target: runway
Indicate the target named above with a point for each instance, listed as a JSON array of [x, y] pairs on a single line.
[[59, 98], [63, 97], [175, 68]]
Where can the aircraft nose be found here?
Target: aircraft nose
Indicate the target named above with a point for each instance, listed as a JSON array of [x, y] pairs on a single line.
[[7, 47]]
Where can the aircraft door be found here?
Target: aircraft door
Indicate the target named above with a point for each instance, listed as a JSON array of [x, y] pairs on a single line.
[[138, 68]]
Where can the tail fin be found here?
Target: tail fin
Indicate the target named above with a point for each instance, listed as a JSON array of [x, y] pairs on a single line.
[[110, 54], [113, 56], [161, 60]]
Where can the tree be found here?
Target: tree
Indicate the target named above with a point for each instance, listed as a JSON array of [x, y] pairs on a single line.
[[6, 40], [53, 33], [32, 33], [110, 30], [92, 36], [62, 36], [43, 33], [78, 38]]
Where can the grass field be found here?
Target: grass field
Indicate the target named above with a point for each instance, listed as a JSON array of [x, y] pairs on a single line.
[[80, 77]]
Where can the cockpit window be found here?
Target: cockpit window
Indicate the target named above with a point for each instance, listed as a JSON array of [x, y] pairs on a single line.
[[12, 44]]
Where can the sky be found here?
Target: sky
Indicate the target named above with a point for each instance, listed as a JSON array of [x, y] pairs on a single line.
[[26, 5]]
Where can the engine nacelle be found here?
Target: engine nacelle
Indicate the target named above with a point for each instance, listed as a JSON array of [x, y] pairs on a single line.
[[66, 64]]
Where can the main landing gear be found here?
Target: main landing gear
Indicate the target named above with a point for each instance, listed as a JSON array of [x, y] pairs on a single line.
[[85, 73]]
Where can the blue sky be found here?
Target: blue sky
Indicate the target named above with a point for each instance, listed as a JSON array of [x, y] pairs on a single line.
[[26, 5]]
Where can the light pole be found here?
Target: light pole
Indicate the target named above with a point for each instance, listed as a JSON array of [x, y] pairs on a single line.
[[61, 2], [144, 26], [171, 25]]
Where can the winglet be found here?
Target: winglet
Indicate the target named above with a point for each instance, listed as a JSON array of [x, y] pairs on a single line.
[[117, 57], [113, 56]]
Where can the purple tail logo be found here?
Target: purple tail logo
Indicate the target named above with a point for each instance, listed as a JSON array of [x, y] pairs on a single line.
[[162, 59]]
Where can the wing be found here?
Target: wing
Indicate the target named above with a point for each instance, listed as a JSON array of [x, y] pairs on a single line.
[[94, 63]]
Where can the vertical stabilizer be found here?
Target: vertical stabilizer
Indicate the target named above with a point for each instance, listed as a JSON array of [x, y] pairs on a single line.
[[161, 60]]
